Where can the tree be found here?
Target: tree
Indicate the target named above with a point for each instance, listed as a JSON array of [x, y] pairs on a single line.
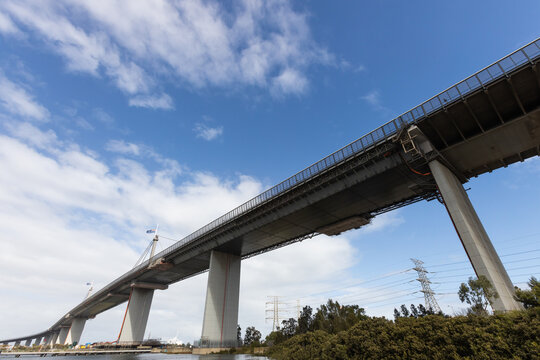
[[512, 335], [477, 293], [422, 311], [529, 298], [414, 311], [397, 315], [253, 336], [274, 338], [289, 327], [404, 311], [238, 335], [333, 317], [305, 321]]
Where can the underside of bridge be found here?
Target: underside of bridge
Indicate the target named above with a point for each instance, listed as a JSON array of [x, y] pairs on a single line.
[[491, 127]]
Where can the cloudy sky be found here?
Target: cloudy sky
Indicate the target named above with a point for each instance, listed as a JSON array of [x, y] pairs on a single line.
[[118, 115]]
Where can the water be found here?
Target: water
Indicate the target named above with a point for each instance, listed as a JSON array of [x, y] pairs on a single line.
[[158, 356]]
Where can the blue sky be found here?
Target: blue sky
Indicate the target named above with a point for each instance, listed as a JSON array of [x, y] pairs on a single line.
[[118, 115]]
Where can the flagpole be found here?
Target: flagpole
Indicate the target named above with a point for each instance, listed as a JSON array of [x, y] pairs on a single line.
[[154, 243]]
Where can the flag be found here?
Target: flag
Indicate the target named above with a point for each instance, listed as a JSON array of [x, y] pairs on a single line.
[[151, 231]]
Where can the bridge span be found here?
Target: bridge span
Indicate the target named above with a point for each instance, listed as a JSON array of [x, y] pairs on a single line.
[[487, 121]]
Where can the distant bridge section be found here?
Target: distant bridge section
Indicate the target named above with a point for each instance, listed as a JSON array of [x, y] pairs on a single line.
[[487, 121]]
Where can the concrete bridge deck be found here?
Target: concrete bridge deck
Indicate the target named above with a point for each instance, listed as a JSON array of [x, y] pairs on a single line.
[[487, 121]]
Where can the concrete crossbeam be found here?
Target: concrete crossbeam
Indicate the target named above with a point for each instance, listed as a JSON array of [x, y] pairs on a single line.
[[222, 295], [474, 237]]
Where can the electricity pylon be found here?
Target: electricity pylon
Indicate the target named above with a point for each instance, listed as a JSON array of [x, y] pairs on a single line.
[[275, 311], [429, 295]]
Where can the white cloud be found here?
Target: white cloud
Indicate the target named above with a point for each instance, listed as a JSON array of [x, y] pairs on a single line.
[[360, 68], [7, 26], [103, 117], [68, 217], [45, 140], [289, 82], [82, 219], [207, 133], [347, 66], [373, 98], [384, 221], [122, 147], [162, 101], [170, 167], [266, 44], [83, 51], [16, 100], [83, 123]]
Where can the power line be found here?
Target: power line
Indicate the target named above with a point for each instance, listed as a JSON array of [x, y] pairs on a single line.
[[508, 262], [394, 301], [356, 297], [371, 297], [467, 261], [384, 276]]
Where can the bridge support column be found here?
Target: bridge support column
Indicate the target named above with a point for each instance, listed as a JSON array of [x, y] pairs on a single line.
[[53, 338], [137, 311], [75, 331], [17, 343], [474, 237], [63, 335], [27, 342], [38, 341], [221, 307], [48, 339]]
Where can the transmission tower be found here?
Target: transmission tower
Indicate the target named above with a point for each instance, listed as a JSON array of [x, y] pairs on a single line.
[[274, 311], [429, 295]]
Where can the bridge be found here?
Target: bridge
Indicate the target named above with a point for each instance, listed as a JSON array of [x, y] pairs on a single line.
[[487, 121]]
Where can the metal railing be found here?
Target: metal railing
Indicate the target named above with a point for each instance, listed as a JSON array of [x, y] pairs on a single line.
[[497, 70], [493, 72]]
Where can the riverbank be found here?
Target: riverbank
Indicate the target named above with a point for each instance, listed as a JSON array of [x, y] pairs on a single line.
[[84, 352]]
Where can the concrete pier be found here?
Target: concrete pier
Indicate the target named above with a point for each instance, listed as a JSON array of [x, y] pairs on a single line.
[[137, 312], [61, 340], [221, 307], [474, 237], [54, 337], [75, 332]]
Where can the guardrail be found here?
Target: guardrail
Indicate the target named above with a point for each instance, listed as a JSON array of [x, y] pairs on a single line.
[[497, 70]]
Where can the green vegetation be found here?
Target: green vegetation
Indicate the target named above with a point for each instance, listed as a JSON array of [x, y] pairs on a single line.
[[503, 336], [529, 298], [344, 332], [477, 293], [252, 337]]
